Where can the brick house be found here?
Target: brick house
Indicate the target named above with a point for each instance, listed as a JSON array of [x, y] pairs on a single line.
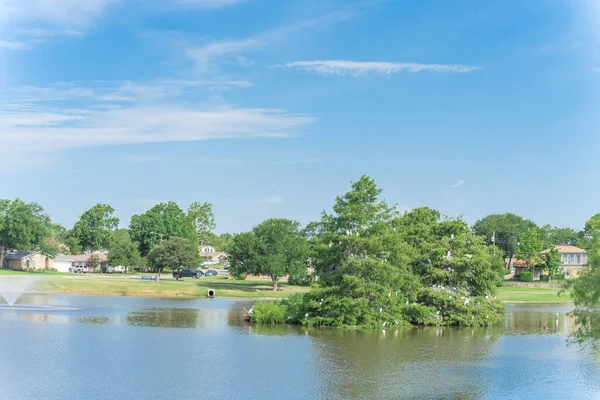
[[573, 261], [23, 260]]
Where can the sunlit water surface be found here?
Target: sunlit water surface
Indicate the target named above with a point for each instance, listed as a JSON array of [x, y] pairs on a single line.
[[140, 348]]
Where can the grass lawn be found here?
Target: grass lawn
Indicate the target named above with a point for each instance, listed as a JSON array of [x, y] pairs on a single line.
[[524, 294], [132, 285]]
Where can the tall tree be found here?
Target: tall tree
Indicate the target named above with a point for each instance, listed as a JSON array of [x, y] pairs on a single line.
[[592, 225], [553, 236], [95, 227], [503, 230], [275, 248], [552, 261], [161, 222], [203, 218], [23, 226], [123, 251], [529, 249], [174, 254]]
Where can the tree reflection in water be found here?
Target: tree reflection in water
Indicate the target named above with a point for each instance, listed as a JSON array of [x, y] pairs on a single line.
[[165, 317]]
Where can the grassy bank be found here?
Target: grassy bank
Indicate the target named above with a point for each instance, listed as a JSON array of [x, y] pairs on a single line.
[[531, 294], [132, 285], [127, 285]]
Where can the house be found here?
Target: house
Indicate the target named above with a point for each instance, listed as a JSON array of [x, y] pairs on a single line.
[[63, 262], [207, 249], [219, 257], [23, 260], [81, 260], [574, 260]]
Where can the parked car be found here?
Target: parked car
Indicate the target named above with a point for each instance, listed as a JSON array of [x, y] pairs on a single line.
[[211, 272], [187, 273], [79, 269]]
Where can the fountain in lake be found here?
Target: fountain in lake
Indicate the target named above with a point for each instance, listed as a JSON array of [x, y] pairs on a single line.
[[11, 289]]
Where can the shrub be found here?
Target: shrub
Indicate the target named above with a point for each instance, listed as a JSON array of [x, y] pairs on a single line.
[[301, 280], [526, 276], [558, 277], [268, 312], [239, 277], [544, 278]]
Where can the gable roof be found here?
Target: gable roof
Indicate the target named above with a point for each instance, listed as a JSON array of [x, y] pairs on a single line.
[[566, 248], [19, 255]]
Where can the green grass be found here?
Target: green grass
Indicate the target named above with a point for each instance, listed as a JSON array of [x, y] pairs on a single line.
[[132, 285], [536, 294]]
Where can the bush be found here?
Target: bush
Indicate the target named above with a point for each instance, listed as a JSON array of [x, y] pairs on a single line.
[[558, 277], [526, 276], [268, 312], [300, 280], [239, 277]]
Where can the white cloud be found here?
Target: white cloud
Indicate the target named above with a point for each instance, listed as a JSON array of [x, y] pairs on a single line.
[[38, 124], [457, 184], [48, 33], [205, 56], [53, 12], [358, 68], [14, 45], [211, 3], [271, 200]]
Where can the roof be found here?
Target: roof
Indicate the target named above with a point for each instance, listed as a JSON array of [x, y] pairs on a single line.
[[566, 248], [64, 257], [213, 254], [19, 255], [85, 257]]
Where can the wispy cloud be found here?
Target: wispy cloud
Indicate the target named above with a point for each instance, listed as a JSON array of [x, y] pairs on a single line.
[[14, 45], [35, 122], [271, 200], [49, 33], [32, 22], [208, 56], [457, 184], [359, 68], [210, 3]]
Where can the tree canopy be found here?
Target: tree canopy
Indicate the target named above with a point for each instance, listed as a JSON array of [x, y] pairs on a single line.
[[161, 222], [95, 226], [506, 229], [203, 218], [379, 268], [174, 254], [123, 251], [274, 248], [23, 226]]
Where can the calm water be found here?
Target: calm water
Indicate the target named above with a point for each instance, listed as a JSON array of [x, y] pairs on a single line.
[[137, 348]]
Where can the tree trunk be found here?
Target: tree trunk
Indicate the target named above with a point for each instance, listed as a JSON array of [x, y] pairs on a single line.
[[274, 279], [2, 257]]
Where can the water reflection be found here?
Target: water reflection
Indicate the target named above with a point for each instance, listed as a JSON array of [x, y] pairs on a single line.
[[93, 319], [165, 318]]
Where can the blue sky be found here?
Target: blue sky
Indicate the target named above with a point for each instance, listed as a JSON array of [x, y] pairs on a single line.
[[271, 108]]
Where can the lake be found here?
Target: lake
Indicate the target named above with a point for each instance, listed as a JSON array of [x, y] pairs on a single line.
[[143, 348]]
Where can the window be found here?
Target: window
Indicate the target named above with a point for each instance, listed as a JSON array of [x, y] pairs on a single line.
[[27, 263], [32, 263]]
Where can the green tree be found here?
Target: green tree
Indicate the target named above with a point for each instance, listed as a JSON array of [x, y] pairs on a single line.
[[529, 249], [203, 218], [23, 226], [553, 236], [95, 227], [505, 229], [275, 248], [174, 254], [592, 225], [161, 222], [93, 262], [552, 261], [71, 245], [123, 251]]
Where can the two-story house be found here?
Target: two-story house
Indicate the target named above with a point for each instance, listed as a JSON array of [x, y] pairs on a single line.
[[574, 259]]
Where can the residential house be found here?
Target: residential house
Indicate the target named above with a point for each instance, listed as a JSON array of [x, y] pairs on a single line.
[[207, 249], [574, 260], [219, 257], [82, 260], [23, 260], [63, 262]]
